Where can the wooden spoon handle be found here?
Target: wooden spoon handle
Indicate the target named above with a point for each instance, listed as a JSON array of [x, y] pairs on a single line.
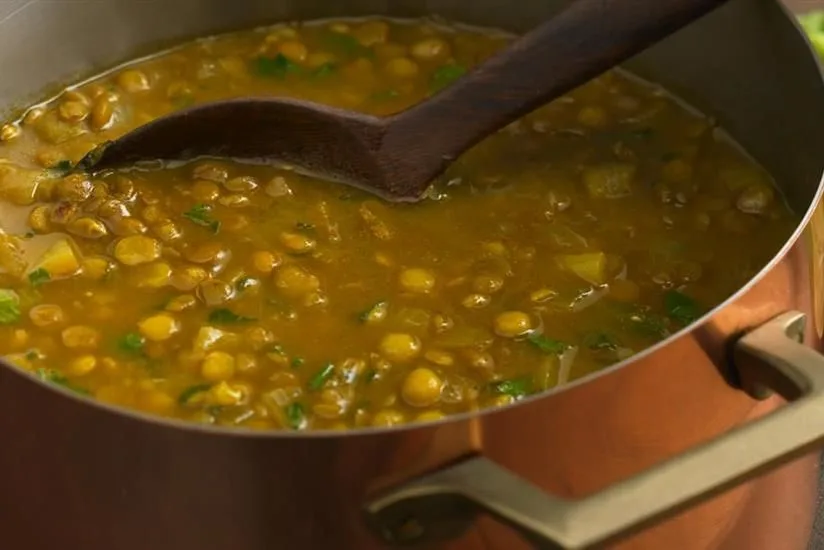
[[585, 39]]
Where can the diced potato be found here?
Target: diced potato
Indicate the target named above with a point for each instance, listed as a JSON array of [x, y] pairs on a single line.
[[19, 185], [209, 338], [60, 261], [590, 266], [609, 181], [218, 366], [11, 256]]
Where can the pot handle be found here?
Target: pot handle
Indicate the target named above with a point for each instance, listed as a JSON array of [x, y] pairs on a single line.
[[770, 357]]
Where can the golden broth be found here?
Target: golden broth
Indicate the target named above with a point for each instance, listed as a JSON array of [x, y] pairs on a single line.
[[254, 296]]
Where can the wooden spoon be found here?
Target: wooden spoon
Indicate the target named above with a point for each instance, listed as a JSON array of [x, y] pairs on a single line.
[[397, 157]]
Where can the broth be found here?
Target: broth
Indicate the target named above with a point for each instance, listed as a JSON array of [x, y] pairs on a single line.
[[254, 296]]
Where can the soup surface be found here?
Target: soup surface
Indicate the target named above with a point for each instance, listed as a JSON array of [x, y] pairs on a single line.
[[254, 296]]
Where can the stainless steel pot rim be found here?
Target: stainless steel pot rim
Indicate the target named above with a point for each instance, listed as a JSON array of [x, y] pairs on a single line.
[[213, 430]]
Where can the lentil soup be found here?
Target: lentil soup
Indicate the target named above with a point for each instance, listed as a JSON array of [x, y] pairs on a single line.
[[254, 296]]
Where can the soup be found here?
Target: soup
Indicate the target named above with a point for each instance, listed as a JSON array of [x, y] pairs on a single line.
[[254, 296]]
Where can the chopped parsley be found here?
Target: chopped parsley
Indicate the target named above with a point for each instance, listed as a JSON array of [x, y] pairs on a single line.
[[39, 276], [600, 341], [546, 344], [273, 67], [223, 316], [182, 101], [319, 379], [9, 307], [305, 226], [275, 348], [297, 362], [345, 44], [62, 167], [370, 376], [131, 343], [515, 387], [191, 391], [648, 324], [642, 133], [201, 214], [53, 377], [375, 314], [295, 416], [680, 307], [245, 282], [445, 75], [324, 70], [385, 95], [214, 410]]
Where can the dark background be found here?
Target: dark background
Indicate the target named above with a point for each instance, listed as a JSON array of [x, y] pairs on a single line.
[[804, 5]]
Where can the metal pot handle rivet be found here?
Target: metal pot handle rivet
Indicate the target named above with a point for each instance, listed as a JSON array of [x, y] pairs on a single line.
[[770, 356]]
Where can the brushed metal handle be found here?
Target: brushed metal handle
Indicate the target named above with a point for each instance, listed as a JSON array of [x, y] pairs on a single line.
[[770, 357]]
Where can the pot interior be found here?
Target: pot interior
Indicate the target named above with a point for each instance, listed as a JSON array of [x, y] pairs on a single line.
[[765, 92], [746, 63]]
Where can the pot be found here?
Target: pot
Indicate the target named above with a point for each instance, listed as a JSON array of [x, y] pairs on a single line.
[[586, 466]]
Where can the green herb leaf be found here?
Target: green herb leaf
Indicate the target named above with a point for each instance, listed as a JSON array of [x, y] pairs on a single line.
[[648, 324], [273, 67], [324, 70], [370, 376], [385, 95], [201, 214], [53, 377], [515, 387], [546, 344], [214, 410], [131, 343], [642, 133], [295, 416], [297, 362], [9, 307], [445, 75], [182, 101], [274, 348], [191, 391], [245, 282], [375, 314], [39, 276], [223, 316], [600, 341], [680, 307], [346, 44], [320, 377], [62, 167], [305, 226]]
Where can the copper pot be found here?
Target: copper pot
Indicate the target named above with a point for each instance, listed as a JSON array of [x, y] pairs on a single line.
[[686, 421]]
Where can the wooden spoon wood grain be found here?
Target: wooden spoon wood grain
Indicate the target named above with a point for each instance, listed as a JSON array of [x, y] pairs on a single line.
[[397, 157]]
